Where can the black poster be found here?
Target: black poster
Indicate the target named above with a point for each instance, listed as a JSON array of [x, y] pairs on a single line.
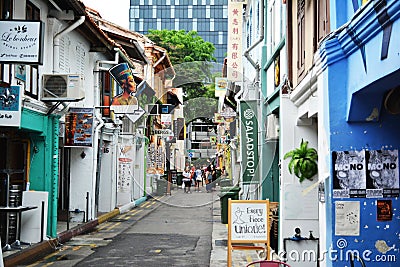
[[349, 174], [382, 173]]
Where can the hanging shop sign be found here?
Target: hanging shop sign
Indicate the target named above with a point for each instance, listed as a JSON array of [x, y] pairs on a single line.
[[221, 85], [79, 127], [10, 106], [249, 141], [235, 35], [21, 41]]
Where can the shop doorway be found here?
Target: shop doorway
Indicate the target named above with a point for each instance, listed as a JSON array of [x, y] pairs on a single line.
[[64, 184], [13, 180]]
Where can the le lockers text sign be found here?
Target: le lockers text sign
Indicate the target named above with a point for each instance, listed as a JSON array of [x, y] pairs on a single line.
[[21, 41]]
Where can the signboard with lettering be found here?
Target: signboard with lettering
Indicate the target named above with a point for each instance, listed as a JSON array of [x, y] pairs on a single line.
[[248, 221], [235, 35], [249, 141], [22, 41], [10, 106]]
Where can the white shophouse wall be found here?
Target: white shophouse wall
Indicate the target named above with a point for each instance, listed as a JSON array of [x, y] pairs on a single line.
[[298, 205]]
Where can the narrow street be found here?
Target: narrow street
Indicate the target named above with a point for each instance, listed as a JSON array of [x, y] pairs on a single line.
[[164, 231]]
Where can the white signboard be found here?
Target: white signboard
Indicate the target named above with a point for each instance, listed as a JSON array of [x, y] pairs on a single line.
[[248, 221], [21, 41], [166, 119]]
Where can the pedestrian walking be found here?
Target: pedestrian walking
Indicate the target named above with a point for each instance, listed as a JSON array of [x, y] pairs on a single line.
[[199, 179], [187, 180], [214, 177], [209, 179]]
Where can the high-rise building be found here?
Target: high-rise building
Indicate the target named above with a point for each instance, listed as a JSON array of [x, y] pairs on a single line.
[[208, 17]]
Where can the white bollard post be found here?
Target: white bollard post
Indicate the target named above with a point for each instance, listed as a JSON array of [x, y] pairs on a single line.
[[1, 255]]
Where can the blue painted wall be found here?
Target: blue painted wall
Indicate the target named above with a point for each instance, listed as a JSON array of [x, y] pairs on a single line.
[[357, 81]]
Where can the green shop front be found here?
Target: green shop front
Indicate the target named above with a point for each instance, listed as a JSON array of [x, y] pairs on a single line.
[[28, 171]]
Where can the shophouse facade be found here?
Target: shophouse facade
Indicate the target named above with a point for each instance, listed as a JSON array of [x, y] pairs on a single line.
[[44, 161], [359, 69]]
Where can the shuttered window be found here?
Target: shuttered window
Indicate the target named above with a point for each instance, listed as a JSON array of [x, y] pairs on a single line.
[[6, 11], [301, 37], [32, 71], [322, 19]]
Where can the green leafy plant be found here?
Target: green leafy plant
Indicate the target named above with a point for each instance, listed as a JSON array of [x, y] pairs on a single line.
[[303, 161]]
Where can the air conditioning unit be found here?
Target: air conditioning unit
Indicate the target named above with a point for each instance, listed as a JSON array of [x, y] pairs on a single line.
[[62, 87], [272, 132]]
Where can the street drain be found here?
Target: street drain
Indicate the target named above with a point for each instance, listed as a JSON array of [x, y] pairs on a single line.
[[117, 220], [221, 243]]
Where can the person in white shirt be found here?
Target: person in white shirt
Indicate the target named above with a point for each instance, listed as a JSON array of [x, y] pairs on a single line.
[[187, 180]]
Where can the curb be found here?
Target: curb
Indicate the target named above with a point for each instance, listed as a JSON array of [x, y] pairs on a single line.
[[39, 250]]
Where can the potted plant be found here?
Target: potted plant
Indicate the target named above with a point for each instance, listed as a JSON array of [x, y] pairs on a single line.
[[303, 161]]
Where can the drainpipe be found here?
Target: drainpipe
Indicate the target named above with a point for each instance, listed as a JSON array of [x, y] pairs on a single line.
[[56, 42], [96, 163], [247, 52]]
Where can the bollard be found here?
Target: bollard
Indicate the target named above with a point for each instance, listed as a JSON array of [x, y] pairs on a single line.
[[1, 255]]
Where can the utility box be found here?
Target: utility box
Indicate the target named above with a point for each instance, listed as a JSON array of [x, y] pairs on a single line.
[[33, 223]]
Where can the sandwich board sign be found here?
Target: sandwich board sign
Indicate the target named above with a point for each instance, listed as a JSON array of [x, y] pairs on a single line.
[[248, 223]]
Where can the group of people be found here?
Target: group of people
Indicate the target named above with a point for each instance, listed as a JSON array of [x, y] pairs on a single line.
[[194, 176]]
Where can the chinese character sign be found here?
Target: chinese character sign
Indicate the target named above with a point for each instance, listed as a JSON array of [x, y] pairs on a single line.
[[234, 58]]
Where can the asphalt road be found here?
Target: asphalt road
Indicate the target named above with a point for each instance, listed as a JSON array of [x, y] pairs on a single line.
[[171, 230]]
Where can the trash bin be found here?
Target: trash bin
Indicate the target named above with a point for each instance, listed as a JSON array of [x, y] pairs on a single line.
[[226, 193], [179, 178], [232, 189], [161, 186], [225, 183]]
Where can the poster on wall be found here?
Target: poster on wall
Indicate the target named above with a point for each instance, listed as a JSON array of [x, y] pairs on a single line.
[[347, 218], [155, 156], [382, 173], [384, 210], [125, 167], [349, 174], [79, 127]]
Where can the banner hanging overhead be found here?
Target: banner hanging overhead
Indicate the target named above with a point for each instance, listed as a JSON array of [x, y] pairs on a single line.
[[249, 141]]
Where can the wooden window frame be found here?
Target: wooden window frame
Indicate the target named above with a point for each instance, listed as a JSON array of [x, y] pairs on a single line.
[[301, 37], [32, 88], [322, 20], [6, 6]]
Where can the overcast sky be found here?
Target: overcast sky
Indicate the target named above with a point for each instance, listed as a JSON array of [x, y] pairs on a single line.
[[116, 11]]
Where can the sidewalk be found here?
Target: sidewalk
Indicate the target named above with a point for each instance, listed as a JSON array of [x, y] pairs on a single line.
[[219, 252], [218, 257]]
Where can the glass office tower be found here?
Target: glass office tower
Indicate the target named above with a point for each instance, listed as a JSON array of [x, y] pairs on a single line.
[[208, 17]]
